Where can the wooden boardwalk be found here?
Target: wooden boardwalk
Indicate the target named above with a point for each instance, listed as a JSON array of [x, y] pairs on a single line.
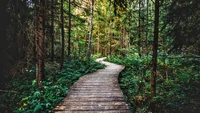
[[97, 92]]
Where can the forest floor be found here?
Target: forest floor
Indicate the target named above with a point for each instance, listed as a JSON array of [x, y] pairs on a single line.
[[97, 92]]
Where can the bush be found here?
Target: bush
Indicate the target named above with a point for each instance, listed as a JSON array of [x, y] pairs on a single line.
[[177, 83], [27, 98]]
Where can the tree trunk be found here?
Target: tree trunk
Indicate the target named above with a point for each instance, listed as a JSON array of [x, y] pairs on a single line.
[[3, 42], [63, 36], [35, 19], [110, 31], [52, 30], [91, 30], [122, 37], [147, 27], [154, 57], [40, 46], [98, 38], [139, 28], [69, 29]]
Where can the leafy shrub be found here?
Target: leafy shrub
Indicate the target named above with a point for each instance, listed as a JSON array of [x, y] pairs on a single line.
[[27, 98], [178, 81]]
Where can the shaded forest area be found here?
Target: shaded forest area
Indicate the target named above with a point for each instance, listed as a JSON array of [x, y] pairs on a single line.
[[46, 45]]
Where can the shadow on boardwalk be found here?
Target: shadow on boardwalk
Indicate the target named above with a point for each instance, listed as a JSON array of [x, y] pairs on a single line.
[[97, 92]]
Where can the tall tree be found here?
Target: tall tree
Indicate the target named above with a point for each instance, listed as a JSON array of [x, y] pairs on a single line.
[[139, 28], [110, 10], [40, 45], [154, 57], [69, 28], [91, 30], [147, 22], [62, 35], [52, 30], [3, 40]]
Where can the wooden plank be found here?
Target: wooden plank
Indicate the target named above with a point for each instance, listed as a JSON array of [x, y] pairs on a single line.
[[91, 108], [93, 99], [96, 111], [91, 103], [97, 92]]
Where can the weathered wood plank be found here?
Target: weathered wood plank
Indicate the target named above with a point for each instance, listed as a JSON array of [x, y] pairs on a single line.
[[91, 108], [101, 111], [97, 92], [90, 103]]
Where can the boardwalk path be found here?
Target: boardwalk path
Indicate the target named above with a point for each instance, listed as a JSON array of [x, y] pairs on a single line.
[[97, 92]]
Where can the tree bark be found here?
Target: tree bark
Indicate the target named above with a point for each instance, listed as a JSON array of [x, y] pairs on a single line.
[[52, 30], [154, 57], [147, 27], [98, 43], [139, 29], [3, 42], [40, 46], [110, 31], [69, 29], [62, 34], [91, 30]]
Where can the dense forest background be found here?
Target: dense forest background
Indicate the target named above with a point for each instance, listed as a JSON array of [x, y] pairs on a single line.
[[47, 45]]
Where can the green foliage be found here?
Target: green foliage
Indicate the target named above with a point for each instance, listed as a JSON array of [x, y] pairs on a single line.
[[116, 28], [178, 81], [133, 80], [25, 97], [184, 25]]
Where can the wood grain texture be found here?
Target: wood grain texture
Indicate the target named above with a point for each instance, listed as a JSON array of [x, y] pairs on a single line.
[[97, 92]]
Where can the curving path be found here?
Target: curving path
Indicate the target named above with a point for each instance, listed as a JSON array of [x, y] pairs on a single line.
[[97, 92]]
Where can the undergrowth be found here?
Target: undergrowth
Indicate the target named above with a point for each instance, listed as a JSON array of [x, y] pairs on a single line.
[[178, 82], [24, 97]]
